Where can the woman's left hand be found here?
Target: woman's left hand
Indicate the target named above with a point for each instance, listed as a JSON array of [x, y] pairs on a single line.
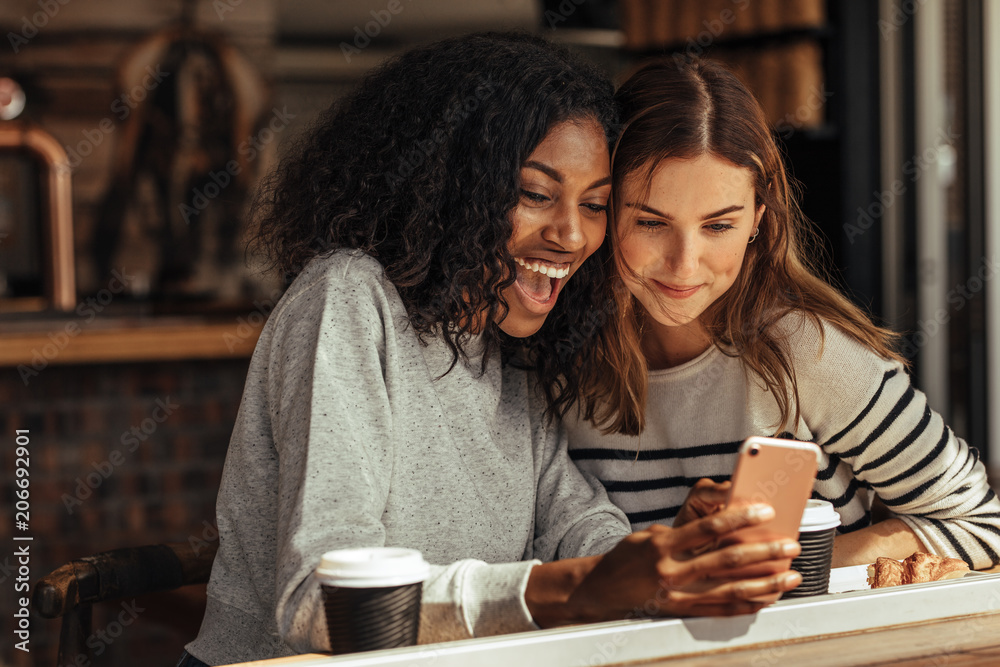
[[705, 497]]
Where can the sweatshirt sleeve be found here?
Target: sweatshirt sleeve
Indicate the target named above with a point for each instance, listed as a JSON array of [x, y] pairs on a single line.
[[332, 424], [864, 411], [573, 516]]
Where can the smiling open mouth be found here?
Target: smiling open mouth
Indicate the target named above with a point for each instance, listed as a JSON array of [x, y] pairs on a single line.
[[537, 278]]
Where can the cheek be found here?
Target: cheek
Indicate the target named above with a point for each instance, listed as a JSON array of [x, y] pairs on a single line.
[[633, 251], [518, 220], [729, 264], [524, 219], [640, 255]]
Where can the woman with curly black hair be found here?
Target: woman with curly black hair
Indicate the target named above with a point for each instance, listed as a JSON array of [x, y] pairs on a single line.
[[433, 221]]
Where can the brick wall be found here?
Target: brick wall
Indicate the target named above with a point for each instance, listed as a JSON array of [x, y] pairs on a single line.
[[121, 455]]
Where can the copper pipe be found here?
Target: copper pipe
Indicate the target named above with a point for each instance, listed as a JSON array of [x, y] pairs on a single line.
[[60, 279]]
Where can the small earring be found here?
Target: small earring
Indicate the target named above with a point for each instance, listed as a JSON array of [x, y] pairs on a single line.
[[754, 237]]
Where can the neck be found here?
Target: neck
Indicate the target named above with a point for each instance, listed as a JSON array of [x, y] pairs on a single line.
[[669, 346]]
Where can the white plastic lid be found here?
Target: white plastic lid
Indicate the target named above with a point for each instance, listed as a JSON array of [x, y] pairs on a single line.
[[372, 567], [818, 515]]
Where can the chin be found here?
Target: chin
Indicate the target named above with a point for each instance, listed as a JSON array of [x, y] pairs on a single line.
[[521, 327]]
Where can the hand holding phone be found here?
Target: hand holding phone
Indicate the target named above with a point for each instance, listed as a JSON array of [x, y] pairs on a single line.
[[779, 473], [664, 571]]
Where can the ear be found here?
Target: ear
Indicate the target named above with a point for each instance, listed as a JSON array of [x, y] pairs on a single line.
[[758, 216]]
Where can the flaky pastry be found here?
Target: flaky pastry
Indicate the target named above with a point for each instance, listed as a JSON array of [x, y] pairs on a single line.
[[917, 568]]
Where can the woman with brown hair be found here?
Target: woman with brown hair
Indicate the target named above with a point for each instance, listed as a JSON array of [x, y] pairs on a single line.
[[725, 328]]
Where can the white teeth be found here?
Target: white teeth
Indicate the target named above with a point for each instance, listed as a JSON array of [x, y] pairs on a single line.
[[545, 270]]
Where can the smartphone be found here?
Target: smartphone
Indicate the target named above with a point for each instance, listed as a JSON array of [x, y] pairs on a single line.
[[780, 473]]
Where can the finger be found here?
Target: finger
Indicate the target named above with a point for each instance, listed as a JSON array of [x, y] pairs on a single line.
[[747, 553], [716, 525], [721, 591], [706, 488], [727, 562], [745, 589], [715, 493], [706, 483]]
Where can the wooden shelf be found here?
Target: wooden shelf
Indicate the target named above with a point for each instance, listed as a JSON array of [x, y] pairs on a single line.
[[71, 343]]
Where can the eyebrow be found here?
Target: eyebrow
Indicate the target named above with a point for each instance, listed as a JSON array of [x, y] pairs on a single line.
[[715, 214], [557, 177]]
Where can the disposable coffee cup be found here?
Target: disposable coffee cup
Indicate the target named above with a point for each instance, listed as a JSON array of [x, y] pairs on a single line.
[[816, 533], [372, 597]]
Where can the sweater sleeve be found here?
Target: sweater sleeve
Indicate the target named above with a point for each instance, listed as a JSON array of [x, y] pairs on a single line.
[[332, 424], [864, 411]]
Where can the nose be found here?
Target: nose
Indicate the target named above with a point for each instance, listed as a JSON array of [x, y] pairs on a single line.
[[565, 228], [682, 256]]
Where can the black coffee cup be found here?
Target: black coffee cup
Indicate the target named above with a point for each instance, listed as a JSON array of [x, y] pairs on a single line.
[[816, 533], [372, 597]]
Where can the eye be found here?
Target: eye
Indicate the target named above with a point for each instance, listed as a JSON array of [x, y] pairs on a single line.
[[596, 209], [719, 227], [534, 197], [649, 224]]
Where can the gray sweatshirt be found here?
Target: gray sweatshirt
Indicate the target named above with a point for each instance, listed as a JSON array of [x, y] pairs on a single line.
[[348, 436]]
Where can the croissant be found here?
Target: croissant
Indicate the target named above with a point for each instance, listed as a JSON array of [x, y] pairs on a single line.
[[918, 568]]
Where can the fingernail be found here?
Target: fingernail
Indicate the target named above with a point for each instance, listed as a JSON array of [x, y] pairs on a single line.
[[762, 512], [791, 579], [790, 548]]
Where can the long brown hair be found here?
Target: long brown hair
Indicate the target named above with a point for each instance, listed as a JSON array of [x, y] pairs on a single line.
[[685, 111]]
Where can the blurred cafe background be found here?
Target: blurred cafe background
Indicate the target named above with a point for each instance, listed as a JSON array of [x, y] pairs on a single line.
[[132, 134]]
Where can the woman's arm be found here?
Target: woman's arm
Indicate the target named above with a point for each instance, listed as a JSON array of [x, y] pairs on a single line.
[[653, 573], [333, 425], [891, 538], [865, 413]]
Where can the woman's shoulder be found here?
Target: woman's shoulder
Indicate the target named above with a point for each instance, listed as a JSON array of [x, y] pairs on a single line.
[[815, 342], [342, 274], [344, 294], [802, 329], [340, 267]]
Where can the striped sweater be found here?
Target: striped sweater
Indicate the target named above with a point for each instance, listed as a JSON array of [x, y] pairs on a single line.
[[876, 432]]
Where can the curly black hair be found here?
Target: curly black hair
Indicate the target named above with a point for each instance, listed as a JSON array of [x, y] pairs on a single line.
[[420, 168]]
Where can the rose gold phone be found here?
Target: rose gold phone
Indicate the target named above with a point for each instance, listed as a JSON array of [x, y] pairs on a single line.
[[780, 473]]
